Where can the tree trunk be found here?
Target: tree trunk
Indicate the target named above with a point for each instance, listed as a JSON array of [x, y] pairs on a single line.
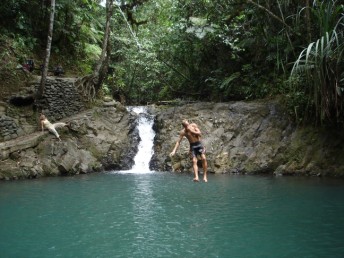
[[47, 52], [98, 73], [308, 21]]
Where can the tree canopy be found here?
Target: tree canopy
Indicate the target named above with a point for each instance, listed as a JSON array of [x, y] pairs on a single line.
[[209, 50]]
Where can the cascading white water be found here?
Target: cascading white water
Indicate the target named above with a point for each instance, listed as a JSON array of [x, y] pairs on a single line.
[[145, 148]]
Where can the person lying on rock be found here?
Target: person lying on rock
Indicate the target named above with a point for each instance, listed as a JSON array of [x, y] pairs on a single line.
[[193, 134], [51, 127]]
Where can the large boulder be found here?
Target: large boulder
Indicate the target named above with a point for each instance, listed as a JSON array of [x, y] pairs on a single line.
[[99, 139]]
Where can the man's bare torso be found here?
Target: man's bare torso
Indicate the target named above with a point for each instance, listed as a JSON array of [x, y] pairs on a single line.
[[192, 138]]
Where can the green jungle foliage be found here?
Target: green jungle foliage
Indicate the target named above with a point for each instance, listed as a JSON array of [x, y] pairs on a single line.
[[208, 50], [77, 31]]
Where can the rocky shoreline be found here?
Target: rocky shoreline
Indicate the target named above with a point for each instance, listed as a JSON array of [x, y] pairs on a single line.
[[254, 137]]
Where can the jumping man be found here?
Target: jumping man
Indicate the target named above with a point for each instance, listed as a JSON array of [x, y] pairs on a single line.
[[193, 134]]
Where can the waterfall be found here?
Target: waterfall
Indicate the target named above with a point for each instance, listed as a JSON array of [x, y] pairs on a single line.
[[145, 148]]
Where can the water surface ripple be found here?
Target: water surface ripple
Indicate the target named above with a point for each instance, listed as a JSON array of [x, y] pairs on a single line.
[[167, 215]]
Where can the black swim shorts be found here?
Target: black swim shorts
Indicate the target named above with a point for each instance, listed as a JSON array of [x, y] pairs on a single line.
[[196, 148]]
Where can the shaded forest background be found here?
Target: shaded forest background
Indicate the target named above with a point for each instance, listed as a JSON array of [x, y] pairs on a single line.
[[199, 50]]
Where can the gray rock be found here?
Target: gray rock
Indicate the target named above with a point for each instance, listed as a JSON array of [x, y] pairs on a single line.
[[247, 137], [98, 139], [240, 137]]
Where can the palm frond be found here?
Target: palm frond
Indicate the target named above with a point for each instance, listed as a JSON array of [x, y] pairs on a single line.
[[321, 65]]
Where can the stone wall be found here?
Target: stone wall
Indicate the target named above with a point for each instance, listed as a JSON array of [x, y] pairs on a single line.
[[9, 128], [61, 98]]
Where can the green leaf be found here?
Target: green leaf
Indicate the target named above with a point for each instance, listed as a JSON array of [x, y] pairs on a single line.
[[227, 81]]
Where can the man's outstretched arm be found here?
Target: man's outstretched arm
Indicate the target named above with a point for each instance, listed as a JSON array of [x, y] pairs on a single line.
[[177, 144]]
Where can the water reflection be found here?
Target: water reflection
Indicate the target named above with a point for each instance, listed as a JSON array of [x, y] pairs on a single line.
[[144, 208]]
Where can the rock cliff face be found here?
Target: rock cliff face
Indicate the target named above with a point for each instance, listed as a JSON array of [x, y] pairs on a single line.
[[248, 137], [240, 137], [103, 138]]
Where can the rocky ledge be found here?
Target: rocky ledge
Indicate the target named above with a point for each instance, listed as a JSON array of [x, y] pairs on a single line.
[[248, 137], [103, 138], [240, 137]]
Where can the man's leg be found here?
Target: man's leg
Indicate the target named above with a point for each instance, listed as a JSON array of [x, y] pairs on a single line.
[[59, 125], [53, 130], [195, 168], [205, 167]]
